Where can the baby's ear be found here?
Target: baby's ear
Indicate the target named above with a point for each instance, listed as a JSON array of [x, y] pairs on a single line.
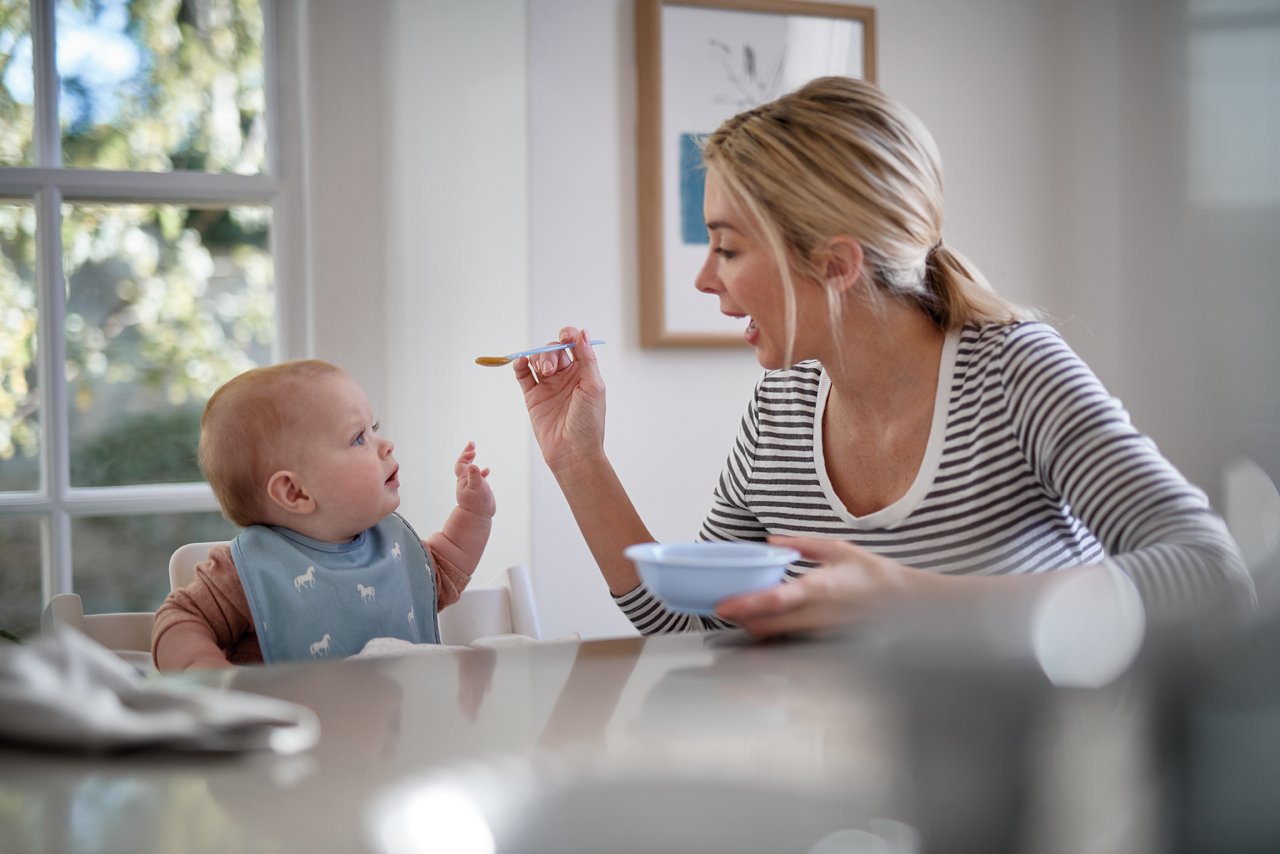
[[288, 494]]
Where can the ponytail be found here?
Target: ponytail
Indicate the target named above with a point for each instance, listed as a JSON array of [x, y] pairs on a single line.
[[957, 294]]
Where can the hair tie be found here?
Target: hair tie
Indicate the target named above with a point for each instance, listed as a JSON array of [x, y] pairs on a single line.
[[933, 250]]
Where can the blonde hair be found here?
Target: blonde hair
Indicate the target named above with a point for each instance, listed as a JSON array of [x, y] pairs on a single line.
[[838, 157], [243, 433]]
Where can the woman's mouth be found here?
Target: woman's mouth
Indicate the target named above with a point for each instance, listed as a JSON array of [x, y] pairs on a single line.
[[752, 333]]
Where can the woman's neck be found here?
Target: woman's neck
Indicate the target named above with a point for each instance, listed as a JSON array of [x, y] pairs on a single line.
[[886, 364]]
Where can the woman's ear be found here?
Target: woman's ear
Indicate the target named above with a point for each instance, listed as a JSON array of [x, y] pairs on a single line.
[[287, 493], [843, 265]]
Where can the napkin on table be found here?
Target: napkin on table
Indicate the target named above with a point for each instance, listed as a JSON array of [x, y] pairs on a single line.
[[66, 691]]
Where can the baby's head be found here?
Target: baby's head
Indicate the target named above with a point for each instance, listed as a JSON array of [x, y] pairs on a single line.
[[295, 445]]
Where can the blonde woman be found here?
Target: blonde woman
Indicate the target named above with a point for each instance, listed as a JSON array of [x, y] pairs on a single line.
[[925, 439]]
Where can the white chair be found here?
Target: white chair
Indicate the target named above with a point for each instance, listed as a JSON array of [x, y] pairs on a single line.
[[493, 610], [496, 609], [127, 634], [182, 563]]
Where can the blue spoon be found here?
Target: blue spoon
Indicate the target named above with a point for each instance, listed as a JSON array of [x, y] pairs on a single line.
[[494, 361]]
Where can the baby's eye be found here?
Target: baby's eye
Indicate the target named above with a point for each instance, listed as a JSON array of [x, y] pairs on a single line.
[[359, 439]]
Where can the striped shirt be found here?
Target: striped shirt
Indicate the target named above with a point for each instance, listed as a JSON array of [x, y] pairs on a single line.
[[1030, 466]]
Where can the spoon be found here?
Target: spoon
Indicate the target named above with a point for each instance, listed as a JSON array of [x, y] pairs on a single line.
[[494, 361]]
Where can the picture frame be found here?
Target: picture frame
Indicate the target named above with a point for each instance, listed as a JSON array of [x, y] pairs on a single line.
[[698, 63]]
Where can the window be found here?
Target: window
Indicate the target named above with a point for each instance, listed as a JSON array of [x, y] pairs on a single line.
[[1234, 104], [140, 201]]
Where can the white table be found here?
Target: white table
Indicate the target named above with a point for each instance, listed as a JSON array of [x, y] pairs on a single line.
[[684, 743]]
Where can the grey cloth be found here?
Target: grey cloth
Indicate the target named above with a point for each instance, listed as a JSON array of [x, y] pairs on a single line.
[[69, 692]]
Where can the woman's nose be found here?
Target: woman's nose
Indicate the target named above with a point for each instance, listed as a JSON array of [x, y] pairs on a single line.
[[706, 280]]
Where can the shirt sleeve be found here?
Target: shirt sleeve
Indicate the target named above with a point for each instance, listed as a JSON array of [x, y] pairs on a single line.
[[728, 519], [1155, 525], [450, 580], [205, 623]]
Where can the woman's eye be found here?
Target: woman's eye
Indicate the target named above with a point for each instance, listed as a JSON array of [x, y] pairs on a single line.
[[725, 253]]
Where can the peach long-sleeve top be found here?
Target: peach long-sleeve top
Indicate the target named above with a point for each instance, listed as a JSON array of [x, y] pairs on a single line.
[[208, 623]]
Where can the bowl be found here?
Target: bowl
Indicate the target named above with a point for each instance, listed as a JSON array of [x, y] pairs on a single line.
[[694, 577]]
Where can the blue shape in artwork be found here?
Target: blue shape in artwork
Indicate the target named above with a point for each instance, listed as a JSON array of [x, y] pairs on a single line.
[[693, 228]]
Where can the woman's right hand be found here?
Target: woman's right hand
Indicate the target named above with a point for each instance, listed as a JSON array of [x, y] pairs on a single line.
[[565, 397]]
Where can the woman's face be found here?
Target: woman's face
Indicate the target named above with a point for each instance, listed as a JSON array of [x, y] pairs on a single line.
[[742, 272]]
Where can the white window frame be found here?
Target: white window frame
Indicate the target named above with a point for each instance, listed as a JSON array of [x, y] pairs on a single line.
[[48, 186]]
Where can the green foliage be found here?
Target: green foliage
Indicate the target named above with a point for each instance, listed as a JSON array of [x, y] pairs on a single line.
[[164, 301], [154, 447]]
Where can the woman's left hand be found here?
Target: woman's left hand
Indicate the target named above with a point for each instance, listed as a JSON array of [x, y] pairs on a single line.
[[850, 585]]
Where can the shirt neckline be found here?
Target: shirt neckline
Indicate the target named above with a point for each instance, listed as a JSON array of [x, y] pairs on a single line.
[[900, 509], [320, 545]]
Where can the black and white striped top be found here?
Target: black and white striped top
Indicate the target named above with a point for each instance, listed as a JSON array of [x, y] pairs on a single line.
[[1031, 466]]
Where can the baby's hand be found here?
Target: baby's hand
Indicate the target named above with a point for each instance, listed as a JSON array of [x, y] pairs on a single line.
[[474, 494]]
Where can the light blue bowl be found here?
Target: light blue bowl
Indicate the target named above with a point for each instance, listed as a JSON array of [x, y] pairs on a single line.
[[694, 577]]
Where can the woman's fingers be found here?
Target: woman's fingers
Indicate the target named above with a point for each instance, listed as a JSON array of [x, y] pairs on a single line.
[[776, 600], [826, 596], [547, 364], [524, 374]]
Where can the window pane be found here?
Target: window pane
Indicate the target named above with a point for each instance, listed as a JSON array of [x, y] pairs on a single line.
[[121, 563], [161, 85], [19, 398], [17, 86], [165, 304], [21, 598]]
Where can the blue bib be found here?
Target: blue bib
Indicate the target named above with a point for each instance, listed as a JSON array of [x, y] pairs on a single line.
[[313, 600]]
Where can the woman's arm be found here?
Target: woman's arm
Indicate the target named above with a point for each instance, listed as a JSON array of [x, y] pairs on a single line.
[[1156, 526], [566, 402]]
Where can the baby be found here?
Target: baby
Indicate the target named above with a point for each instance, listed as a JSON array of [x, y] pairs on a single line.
[[324, 563]]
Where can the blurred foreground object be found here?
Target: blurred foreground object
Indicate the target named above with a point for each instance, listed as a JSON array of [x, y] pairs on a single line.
[[68, 692]]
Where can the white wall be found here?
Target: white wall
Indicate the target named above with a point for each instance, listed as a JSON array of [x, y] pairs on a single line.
[[1067, 130]]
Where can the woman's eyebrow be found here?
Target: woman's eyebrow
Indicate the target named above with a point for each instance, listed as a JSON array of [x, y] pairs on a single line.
[[716, 225]]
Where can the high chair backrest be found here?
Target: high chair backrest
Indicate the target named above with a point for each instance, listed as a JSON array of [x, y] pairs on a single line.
[[182, 563], [492, 610], [127, 634]]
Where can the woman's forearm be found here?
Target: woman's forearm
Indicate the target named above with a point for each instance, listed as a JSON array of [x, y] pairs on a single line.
[[605, 515]]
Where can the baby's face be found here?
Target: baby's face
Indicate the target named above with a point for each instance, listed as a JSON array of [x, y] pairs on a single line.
[[342, 461]]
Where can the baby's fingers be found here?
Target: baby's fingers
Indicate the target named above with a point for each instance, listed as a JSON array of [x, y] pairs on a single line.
[[464, 459]]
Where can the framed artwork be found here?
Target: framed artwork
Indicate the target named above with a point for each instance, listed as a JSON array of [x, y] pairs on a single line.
[[700, 62]]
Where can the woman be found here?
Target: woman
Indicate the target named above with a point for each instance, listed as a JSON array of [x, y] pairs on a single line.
[[926, 438]]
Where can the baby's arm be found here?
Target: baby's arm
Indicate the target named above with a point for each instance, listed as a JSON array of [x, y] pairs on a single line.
[[198, 622], [458, 545]]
